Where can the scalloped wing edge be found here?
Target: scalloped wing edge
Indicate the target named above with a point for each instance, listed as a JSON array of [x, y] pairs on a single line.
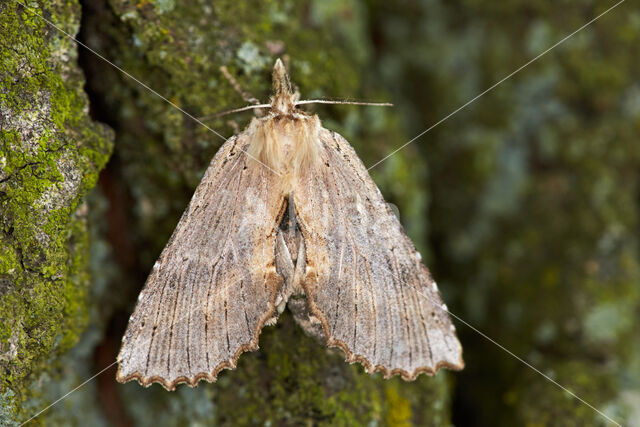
[[369, 367], [270, 316]]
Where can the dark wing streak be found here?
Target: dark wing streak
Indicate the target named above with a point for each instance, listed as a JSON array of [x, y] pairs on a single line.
[[168, 296], [179, 288], [392, 324], [423, 323], [173, 315], [339, 288], [183, 306], [208, 318], [246, 318], [404, 299], [155, 328], [263, 172], [189, 324], [226, 318], [374, 304], [341, 259], [396, 295], [337, 192], [355, 293]]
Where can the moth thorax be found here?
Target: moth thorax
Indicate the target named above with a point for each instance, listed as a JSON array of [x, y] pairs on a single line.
[[287, 144]]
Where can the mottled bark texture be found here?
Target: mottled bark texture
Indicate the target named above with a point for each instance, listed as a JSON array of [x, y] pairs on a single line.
[[50, 156], [534, 197]]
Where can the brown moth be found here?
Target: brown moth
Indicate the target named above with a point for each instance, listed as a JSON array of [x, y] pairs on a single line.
[[232, 263]]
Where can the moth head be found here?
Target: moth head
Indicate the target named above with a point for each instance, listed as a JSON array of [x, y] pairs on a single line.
[[284, 98]]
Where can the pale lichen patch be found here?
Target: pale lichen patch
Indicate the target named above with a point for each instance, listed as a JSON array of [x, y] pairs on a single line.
[[32, 125]]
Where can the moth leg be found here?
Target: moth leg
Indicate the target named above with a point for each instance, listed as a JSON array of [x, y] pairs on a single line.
[[291, 262], [286, 268], [298, 301], [236, 86], [300, 268], [234, 125]]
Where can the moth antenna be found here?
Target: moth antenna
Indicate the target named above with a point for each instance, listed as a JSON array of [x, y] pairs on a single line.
[[331, 101], [305, 102], [235, 110]]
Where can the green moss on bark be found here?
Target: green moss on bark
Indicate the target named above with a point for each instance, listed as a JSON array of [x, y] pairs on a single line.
[[50, 156], [295, 380]]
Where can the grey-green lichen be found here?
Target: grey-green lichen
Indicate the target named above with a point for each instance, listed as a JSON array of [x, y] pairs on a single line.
[[50, 156]]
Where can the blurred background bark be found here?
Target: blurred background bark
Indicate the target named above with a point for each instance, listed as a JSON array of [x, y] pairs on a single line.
[[524, 205]]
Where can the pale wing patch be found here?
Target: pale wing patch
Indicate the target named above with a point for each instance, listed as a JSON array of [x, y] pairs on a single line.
[[215, 283], [365, 281]]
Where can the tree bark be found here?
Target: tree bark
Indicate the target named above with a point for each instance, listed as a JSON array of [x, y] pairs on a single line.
[[50, 157], [177, 49]]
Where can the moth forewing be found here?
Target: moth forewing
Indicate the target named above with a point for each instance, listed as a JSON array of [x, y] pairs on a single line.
[[214, 285], [374, 297]]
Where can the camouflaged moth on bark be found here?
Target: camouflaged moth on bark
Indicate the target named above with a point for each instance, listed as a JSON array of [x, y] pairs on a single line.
[[232, 264]]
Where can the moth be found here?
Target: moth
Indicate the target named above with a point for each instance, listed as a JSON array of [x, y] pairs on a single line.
[[235, 260]]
